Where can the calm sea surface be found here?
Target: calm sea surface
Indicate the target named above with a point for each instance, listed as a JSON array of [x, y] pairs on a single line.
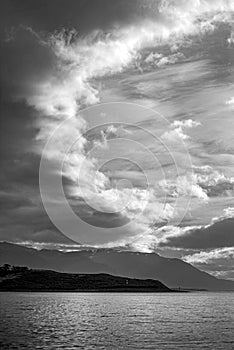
[[117, 321]]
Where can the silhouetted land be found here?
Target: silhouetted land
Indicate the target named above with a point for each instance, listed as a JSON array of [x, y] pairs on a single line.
[[16, 278]]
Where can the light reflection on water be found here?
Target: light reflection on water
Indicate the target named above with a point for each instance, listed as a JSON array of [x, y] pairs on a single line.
[[116, 321]]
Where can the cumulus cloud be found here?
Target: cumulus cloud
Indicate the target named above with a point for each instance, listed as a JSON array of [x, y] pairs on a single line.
[[183, 186], [203, 183], [217, 237], [187, 123], [207, 257], [148, 241], [230, 40], [178, 127], [59, 76], [81, 60], [144, 243], [218, 262], [230, 102], [158, 60], [212, 181]]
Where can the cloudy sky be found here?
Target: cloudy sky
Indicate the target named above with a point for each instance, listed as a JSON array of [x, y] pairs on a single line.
[[117, 127]]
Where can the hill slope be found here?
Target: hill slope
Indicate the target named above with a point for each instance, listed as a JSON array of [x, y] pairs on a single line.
[[171, 272], [44, 280]]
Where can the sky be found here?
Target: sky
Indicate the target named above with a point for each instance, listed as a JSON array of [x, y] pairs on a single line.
[[116, 127]]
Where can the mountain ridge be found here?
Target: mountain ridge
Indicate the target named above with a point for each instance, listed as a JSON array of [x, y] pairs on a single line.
[[172, 272]]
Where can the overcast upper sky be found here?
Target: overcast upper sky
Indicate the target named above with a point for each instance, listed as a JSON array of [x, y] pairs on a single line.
[[128, 107]]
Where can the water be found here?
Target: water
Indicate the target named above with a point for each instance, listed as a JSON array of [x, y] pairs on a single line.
[[117, 321]]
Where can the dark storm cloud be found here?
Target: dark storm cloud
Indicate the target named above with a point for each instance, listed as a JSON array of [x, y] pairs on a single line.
[[16, 121], [25, 61], [97, 218], [22, 220], [83, 15], [19, 166], [220, 234], [11, 201]]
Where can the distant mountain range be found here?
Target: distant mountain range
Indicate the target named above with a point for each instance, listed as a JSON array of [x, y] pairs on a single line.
[[172, 272]]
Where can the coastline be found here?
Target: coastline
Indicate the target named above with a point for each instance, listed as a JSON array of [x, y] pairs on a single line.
[[30, 280]]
